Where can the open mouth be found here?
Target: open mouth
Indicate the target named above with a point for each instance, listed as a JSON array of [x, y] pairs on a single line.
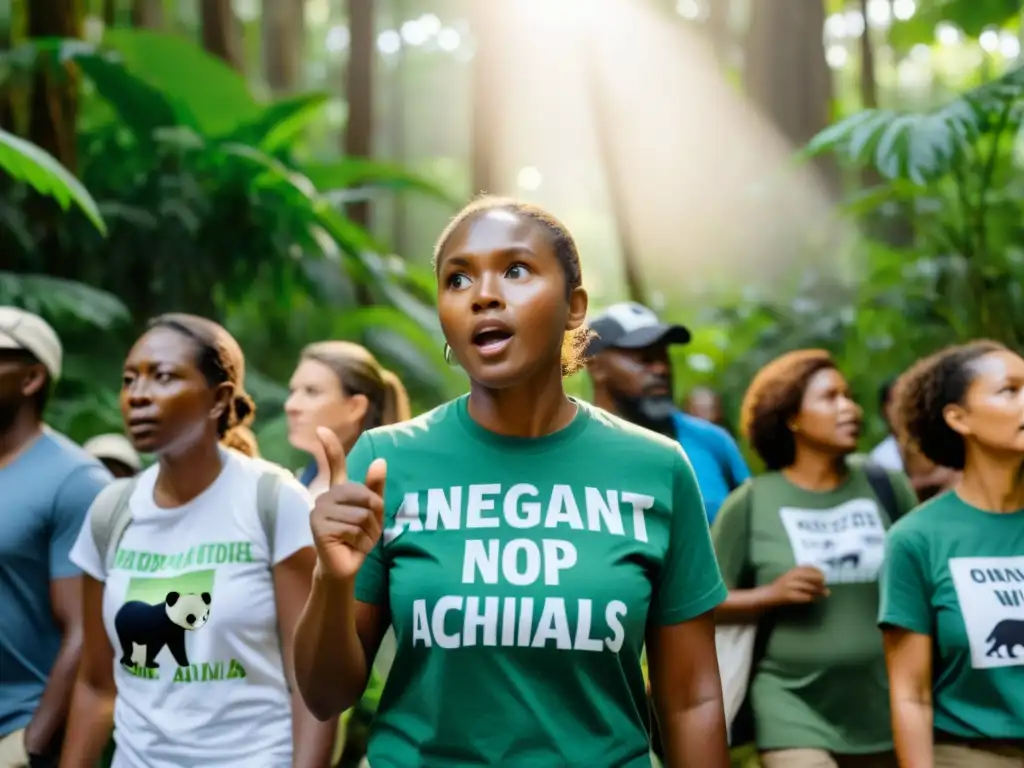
[[492, 340]]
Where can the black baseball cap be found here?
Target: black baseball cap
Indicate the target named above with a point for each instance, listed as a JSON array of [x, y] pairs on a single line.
[[629, 325]]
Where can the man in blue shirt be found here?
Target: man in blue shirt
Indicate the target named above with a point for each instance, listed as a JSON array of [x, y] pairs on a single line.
[[629, 365], [46, 486]]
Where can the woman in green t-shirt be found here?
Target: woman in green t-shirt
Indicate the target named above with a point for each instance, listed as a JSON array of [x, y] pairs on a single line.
[[523, 545], [800, 548], [952, 606]]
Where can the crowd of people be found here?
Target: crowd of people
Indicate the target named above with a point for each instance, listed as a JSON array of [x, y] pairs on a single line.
[[516, 577]]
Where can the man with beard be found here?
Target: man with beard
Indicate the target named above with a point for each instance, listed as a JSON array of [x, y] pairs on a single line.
[[628, 362], [46, 486]]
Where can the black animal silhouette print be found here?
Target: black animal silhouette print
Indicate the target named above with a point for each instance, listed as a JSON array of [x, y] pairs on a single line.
[[148, 628], [1007, 634]]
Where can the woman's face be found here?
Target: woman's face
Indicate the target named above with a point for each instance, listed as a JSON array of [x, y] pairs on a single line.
[[316, 400], [829, 419], [992, 412], [501, 299], [166, 402]]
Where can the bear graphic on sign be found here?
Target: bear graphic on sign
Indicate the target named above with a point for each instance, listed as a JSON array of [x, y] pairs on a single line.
[[1007, 634]]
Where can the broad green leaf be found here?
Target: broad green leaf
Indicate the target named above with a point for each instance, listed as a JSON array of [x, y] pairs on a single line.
[[51, 296], [838, 134], [280, 123], [349, 172], [141, 107], [26, 162], [217, 97]]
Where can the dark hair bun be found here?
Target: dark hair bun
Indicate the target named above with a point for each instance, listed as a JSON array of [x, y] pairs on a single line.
[[244, 409]]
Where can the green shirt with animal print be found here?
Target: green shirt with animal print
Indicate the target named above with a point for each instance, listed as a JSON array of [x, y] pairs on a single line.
[[956, 573], [821, 683]]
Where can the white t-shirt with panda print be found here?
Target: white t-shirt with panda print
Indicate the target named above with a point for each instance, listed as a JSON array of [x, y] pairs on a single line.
[[189, 608]]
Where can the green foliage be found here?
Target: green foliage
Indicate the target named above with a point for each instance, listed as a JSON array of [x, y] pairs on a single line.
[[210, 210], [971, 16], [26, 162], [950, 205]]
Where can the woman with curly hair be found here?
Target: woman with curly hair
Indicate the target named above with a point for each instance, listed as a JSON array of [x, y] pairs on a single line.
[[800, 548], [952, 608]]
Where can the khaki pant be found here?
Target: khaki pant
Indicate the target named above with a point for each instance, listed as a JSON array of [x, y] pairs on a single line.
[[819, 758], [12, 750], [962, 756]]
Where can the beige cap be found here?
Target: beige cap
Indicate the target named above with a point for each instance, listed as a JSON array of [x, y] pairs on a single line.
[[116, 447], [23, 330]]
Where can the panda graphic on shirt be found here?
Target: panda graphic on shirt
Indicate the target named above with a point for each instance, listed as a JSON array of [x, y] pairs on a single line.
[[158, 616], [143, 630]]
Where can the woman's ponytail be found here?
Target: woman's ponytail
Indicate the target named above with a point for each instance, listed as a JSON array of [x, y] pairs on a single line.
[[235, 431], [396, 406]]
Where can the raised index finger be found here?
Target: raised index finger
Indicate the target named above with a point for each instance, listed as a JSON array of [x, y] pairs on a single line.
[[330, 458]]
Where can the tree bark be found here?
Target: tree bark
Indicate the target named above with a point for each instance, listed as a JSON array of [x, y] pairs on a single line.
[[220, 32], [53, 105], [486, 73], [148, 14], [786, 74], [358, 138], [110, 13], [284, 36], [602, 121], [720, 31], [868, 79]]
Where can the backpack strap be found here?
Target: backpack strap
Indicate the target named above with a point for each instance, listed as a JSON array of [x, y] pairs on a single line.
[[881, 484], [110, 516], [268, 490]]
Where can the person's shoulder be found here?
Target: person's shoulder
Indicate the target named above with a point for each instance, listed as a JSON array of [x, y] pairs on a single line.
[[926, 519], [704, 430], [61, 452], [626, 435], [252, 468], [63, 459], [436, 423]]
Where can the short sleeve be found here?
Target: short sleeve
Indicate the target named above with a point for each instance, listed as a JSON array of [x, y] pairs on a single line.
[[904, 586], [292, 531], [906, 499], [71, 506], [372, 579], [730, 535], [85, 554], [690, 583], [739, 472]]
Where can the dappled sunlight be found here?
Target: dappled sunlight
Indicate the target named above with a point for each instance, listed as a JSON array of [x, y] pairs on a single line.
[[707, 195]]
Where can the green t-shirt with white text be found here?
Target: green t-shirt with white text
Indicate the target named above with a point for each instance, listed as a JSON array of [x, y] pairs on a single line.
[[520, 575], [956, 573], [821, 683]]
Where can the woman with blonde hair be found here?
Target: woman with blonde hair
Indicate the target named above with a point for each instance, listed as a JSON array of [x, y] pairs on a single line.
[[340, 385]]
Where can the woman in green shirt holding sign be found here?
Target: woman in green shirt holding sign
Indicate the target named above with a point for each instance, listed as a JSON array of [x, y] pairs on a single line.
[[523, 545], [953, 582]]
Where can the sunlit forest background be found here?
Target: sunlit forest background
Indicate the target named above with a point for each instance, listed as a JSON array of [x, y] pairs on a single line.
[[774, 173]]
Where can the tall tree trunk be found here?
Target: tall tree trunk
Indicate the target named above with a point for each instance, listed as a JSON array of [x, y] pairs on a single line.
[[868, 78], [485, 97], [720, 31], [54, 100], [221, 33], [284, 35], [148, 14], [786, 74], [358, 138], [602, 120], [6, 43], [53, 110], [110, 13], [397, 125]]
